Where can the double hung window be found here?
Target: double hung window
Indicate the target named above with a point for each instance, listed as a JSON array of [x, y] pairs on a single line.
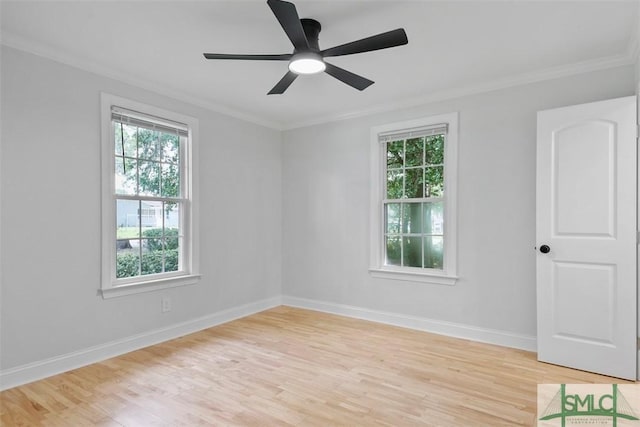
[[148, 198], [413, 199]]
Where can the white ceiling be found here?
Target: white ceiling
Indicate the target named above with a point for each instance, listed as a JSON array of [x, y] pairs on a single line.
[[454, 46]]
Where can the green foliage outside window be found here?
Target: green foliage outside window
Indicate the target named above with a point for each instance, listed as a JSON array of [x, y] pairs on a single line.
[[129, 263], [155, 246], [415, 168], [414, 229], [147, 161]]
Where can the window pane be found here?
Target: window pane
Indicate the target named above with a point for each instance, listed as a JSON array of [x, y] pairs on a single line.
[[434, 181], [172, 242], [433, 218], [124, 140], [414, 152], [149, 176], [128, 260], [148, 144], [394, 250], [394, 184], [170, 147], [392, 218], [172, 250], [433, 252], [125, 176], [153, 245], [395, 154], [435, 150], [152, 256], [413, 183], [171, 218], [412, 218], [127, 219], [170, 180], [151, 218], [412, 251]]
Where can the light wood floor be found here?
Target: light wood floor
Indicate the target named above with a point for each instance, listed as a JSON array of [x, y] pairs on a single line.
[[288, 366]]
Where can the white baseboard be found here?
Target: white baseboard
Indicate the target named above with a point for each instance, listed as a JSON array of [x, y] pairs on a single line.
[[457, 330], [30, 372]]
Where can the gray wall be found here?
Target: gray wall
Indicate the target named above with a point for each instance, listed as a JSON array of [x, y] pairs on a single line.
[[50, 266], [326, 207], [280, 212]]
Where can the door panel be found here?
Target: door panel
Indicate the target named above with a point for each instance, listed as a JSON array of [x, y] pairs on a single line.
[[577, 151], [595, 283], [586, 214]]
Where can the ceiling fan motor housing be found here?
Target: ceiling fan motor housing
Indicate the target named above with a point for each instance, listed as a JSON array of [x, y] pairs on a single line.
[[311, 29]]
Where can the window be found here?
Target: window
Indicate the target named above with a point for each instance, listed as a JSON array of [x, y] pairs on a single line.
[[413, 227], [148, 214]]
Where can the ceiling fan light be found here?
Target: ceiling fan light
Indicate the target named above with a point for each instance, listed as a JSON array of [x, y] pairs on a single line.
[[307, 64]]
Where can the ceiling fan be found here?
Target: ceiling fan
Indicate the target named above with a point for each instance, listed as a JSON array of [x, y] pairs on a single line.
[[307, 58]]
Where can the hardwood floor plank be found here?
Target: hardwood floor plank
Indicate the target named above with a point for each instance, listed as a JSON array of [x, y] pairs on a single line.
[[289, 366]]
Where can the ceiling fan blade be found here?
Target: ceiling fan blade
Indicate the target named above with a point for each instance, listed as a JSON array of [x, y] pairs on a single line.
[[290, 21], [283, 84], [348, 77], [283, 57], [380, 41]]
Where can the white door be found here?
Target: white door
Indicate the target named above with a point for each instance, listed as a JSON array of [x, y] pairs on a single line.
[[586, 237]]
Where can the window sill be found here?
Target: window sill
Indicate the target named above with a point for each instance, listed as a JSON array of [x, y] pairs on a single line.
[[414, 276], [149, 286]]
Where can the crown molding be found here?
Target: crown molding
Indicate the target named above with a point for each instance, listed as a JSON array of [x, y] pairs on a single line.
[[627, 58], [633, 46], [20, 43]]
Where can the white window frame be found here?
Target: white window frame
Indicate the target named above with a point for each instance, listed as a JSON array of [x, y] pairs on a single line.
[[377, 267], [189, 274]]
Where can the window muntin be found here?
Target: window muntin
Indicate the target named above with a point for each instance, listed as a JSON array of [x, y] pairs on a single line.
[[413, 204], [149, 198]]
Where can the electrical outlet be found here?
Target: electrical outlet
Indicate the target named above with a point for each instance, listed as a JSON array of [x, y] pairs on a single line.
[[166, 304]]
